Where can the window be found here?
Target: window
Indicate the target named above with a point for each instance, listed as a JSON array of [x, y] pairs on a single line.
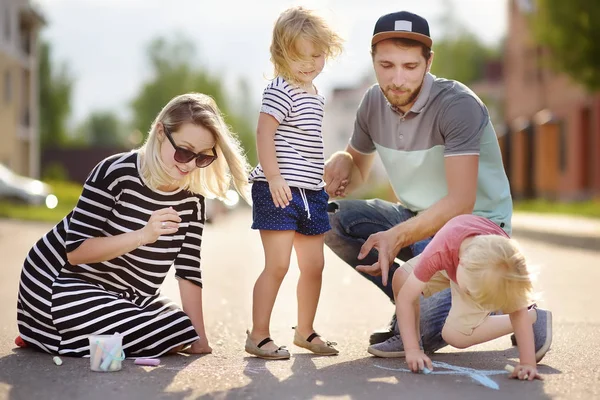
[[562, 143], [7, 87], [7, 22]]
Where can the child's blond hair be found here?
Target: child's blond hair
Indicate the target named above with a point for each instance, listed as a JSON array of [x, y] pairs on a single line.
[[295, 23], [230, 167], [495, 273]]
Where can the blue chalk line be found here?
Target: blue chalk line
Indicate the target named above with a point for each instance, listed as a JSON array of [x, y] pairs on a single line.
[[477, 375]]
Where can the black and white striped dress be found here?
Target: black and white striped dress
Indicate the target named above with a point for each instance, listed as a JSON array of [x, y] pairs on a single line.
[[60, 305]]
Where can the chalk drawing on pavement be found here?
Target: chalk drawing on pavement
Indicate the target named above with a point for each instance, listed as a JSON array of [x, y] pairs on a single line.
[[480, 376]]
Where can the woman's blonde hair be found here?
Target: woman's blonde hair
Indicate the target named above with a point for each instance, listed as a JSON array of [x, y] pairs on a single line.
[[495, 273], [295, 23], [230, 166]]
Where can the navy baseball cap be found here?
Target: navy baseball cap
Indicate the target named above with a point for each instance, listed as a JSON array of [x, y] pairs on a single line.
[[402, 24]]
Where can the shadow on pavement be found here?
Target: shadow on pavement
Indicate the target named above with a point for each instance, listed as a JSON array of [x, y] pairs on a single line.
[[33, 375], [377, 378], [591, 243]]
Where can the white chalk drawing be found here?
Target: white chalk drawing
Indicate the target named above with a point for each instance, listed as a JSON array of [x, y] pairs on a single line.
[[480, 376], [255, 370]]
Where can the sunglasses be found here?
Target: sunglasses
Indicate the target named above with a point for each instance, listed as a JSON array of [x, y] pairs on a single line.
[[184, 156]]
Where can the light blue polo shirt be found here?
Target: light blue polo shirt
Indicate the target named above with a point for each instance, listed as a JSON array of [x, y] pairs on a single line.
[[447, 120]]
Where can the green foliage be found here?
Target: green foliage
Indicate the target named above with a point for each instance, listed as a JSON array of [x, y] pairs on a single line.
[[459, 54], [55, 99], [570, 30], [461, 57], [589, 208], [55, 172], [102, 129], [174, 71]]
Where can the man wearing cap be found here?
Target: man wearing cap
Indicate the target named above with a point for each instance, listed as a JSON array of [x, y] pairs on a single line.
[[441, 155]]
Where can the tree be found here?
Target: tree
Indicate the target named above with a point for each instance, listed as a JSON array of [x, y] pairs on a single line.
[[174, 70], [571, 32], [459, 54], [56, 86], [102, 129], [462, 57]]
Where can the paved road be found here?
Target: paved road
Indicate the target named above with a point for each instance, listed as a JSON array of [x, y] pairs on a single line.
[[350, 308]]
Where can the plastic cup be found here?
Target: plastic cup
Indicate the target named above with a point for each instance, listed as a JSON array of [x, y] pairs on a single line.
[[106, 352]]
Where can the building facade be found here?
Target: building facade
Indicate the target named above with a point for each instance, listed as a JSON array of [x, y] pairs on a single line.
[[338, 123], [554, 137], [19, 106]]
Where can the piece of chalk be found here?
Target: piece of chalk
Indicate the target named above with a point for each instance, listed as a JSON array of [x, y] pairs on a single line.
[[509, 368], [426, 370], [57, 360], [147, 361]]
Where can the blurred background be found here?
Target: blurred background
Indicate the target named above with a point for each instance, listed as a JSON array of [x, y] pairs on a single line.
[[83, 79]]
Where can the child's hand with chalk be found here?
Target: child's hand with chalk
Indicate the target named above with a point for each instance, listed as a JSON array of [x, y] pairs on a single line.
[[523, 372], [417, 361]]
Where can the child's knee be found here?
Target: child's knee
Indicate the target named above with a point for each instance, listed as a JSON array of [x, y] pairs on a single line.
[[398, 280], [455, 338], [277, 271], [313, 269]]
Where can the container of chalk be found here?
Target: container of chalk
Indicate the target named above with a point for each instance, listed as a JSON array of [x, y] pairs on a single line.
[[106, 352], [147, 361]]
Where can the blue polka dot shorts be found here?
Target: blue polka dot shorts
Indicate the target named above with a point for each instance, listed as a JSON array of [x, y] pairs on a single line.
[[306, 214]]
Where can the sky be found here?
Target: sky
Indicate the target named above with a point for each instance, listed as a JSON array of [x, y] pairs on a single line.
[[104, 41]]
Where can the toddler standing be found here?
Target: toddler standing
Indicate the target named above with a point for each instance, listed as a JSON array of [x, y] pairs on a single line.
[[289, 201]]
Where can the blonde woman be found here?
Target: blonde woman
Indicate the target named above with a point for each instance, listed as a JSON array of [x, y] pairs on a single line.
[[289, 200], [487, 273], [99, 270]]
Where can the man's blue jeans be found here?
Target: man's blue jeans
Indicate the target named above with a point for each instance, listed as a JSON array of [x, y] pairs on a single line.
[[352, 222]]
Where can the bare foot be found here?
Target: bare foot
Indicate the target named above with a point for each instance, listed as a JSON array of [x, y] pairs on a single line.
[[199, 347], [177, 349]]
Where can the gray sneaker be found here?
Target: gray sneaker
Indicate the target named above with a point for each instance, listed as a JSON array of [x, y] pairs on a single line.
[[542, 333], [386, 333], [391, 348]]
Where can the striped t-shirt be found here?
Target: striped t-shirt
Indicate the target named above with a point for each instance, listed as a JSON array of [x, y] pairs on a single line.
[[298, 139]]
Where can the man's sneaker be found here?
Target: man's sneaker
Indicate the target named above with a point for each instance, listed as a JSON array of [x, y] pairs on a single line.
[[390, 331], [391, 348], [542, 333]]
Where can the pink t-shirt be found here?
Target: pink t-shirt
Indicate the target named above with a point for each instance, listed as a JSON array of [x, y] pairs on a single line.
[[441, 254]]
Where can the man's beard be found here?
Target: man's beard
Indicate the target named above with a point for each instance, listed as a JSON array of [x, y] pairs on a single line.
[[401, 101]]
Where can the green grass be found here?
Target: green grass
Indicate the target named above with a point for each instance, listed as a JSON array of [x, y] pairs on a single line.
[[590, 208], [67, 194]]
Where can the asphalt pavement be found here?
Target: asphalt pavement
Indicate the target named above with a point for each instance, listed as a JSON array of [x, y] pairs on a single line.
[[350, 308]]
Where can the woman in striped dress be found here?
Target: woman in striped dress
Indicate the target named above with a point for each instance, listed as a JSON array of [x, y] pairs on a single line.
[[99, 270]]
